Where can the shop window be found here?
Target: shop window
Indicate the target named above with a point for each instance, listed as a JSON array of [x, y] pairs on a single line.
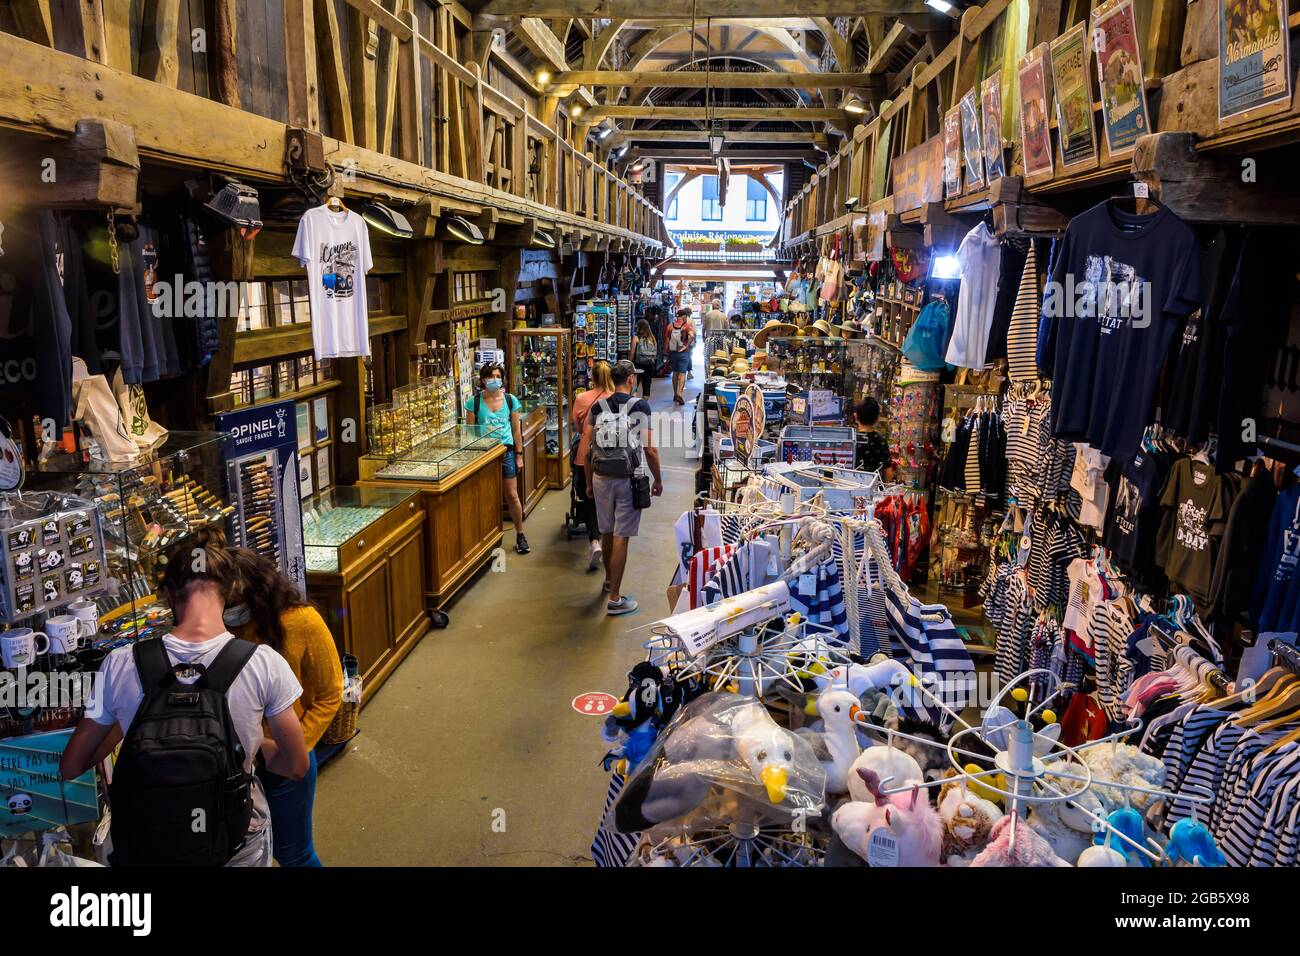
[[710, 207], [755, 200], [670, 183]]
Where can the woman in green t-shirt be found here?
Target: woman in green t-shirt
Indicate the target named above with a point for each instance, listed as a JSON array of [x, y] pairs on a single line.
[[497, 411]]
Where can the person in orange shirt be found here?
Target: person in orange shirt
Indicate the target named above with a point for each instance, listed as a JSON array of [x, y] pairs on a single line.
[[266, 607]]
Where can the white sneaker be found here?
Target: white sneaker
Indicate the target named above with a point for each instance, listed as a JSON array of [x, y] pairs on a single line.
[[594, 560]]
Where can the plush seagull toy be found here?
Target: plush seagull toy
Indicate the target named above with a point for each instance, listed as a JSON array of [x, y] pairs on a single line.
[[836, 746]]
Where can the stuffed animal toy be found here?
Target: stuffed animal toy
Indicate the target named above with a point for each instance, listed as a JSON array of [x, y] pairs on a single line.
[[916, 835], [1102, 856], [967, 822], [1067, 830], [889, 764], [836, 746], [1192, 844], [725, 741], [1030, 849], [1123, 763], [1128, 822]]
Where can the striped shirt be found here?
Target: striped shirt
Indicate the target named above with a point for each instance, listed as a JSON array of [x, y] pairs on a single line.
[[1022, 335]]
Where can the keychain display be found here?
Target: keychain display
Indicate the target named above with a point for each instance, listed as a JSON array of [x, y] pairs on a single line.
[[51, 552]]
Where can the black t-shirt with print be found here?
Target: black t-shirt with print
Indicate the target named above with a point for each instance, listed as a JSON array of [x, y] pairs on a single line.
[[1133, 511], [1196, 505], [1122, 285]]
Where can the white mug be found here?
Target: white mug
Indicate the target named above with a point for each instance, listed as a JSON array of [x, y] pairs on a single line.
[[86, 611], [20, 646], [66, 633]]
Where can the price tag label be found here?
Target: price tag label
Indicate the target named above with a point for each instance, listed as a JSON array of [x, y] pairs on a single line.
[[1141, 191], [882, 848], [807, 585]]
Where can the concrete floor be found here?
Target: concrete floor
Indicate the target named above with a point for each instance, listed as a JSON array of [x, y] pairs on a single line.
[[471, 754]]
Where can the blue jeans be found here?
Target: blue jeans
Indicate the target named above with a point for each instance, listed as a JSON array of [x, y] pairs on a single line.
[[291, 804]]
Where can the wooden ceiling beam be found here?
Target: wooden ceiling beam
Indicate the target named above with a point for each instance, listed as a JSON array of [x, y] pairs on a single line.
[[684, 9], [695, 80], [794, 115]]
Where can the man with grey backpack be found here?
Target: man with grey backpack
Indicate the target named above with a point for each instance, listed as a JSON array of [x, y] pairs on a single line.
[[616, 452]]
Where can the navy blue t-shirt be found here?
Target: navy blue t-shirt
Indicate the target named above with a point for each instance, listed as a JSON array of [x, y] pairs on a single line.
[[1121, 287], [1133, 515]]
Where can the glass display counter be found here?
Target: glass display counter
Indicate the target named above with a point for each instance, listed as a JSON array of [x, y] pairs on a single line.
[[366, 561], [439, 457], [541, 376], [332, 520]]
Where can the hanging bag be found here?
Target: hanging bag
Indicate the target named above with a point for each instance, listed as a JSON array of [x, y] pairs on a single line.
[[135, 414], [928, 338], [100, 415]]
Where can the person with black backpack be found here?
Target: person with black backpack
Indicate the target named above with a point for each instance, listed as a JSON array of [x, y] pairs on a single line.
[[616, 451], [188, 709]]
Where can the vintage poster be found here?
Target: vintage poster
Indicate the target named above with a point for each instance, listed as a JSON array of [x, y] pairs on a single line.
[[991, 97], [1119, 68], [1254, 59], [952, 153], [877, 221], [918, 176], [970, 141], [1073, 93], [1035, 128]]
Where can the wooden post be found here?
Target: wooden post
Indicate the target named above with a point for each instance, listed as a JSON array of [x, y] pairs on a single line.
[[300, 63], [224, 74], [474, 153], [363, 58], [408, 78], [158, 59]]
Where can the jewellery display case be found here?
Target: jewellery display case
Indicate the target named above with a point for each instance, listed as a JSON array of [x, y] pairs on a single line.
[[145, 507], [541, 376], [457, 475], [366, 566]]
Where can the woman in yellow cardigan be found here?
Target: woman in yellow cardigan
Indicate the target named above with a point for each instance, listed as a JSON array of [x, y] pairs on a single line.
[[267, 608]]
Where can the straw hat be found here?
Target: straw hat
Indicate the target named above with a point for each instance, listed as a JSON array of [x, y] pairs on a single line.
[[849, 331], [719, 356], [737, 351], [824, 327], [773, 327]]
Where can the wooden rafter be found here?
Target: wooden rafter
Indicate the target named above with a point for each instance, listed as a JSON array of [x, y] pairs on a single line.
[[684, 9], [697, 80]]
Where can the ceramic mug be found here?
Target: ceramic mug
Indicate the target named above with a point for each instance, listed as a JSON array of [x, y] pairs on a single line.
[[66, 633], [21, 646], [86, 611]]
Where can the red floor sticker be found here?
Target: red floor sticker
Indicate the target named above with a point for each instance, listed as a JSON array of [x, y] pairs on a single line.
[[594, 703]]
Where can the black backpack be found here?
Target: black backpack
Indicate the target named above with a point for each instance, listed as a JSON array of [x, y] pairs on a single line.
[[180, 795]]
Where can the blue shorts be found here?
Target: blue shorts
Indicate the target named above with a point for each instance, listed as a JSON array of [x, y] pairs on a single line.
[[680, 361], [509, 468]]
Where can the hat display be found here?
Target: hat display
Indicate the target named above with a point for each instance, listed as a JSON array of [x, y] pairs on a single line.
[[773, 326], [738, 351]]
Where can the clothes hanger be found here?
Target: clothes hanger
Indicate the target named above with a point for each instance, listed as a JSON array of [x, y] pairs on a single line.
[[1283, 698], [335, 204]]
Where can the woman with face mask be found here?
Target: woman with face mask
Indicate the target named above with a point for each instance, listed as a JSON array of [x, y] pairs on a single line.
[[265, 607], [499, 413]]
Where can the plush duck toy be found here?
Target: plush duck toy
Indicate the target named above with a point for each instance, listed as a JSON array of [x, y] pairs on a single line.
[[723, 740], [836, 746], [912, 824]]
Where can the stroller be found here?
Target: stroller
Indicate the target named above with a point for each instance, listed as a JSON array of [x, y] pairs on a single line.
[[575, 522]]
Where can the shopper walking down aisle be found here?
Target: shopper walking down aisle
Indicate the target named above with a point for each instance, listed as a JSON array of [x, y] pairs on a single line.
[[715, 320], [617, 448], [645, 353], [266, 608], [602, 387], [498, 412], [681, 339], [166, 770]]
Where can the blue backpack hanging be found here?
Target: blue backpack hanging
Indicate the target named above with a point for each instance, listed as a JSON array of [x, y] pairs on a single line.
[[928, 339]]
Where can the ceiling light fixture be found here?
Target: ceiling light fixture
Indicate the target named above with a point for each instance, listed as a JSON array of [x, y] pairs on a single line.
[[943, 6], [387, 220], [238, 204], [604, 134], [717, 138], [542, 239], [543, 77], [575, 110], [853, 104], [463, 230]]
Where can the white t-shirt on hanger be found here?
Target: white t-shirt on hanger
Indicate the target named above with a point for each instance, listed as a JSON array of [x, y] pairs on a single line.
[[980, 258], [334, 247]]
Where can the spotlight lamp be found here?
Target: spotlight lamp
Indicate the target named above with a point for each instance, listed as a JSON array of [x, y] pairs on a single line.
[[462, 230], [853, 104]]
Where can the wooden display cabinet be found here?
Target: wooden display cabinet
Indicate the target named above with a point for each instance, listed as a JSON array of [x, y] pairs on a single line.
[[539, 362], [366, 561], [535, 478]]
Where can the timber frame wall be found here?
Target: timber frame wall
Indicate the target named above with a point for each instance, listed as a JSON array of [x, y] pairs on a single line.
[[1187, 159]]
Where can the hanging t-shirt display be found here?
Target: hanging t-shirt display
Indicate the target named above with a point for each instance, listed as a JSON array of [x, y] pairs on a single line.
[[334, 247], [1276, 605], [980, 257], [1121, 286], [1197, 507], [1133, 517]]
